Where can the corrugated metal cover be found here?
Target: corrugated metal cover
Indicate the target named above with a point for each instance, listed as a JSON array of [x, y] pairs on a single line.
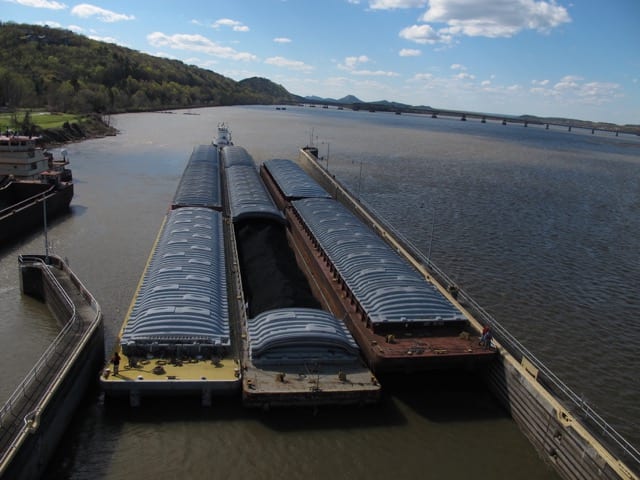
[[388, 288], [293, 181], [248, 197], [200, 182], [295, 335], [182, 298], [234, 155]]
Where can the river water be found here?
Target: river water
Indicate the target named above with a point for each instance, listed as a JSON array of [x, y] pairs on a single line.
[[541, 227]]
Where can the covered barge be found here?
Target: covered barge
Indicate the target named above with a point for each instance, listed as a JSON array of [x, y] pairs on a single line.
[[566, 432], [294, 351], [402, 321], [176, 338]]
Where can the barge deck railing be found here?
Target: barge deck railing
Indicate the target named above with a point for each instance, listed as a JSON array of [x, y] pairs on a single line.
[[20, 413], [38, 197], [574, 403], [577, 405]]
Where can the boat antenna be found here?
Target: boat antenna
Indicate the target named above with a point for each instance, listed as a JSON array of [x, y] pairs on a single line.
[[46, 238]]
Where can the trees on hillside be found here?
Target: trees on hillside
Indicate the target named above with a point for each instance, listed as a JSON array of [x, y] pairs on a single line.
[[63, 71]]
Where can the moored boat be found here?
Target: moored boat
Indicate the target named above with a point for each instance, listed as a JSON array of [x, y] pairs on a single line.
[[32, 184]]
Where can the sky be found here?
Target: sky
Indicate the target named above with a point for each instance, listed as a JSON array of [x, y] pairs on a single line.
[[578, 59]]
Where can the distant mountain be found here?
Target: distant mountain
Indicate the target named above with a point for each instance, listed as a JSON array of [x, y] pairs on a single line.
[[267, 88], [349, 99], [344, 100]]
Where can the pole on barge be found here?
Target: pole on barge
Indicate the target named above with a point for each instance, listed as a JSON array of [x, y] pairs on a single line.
[[46, 239]]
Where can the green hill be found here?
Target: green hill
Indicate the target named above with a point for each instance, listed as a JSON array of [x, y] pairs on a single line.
[[266, 87], [63, 71]]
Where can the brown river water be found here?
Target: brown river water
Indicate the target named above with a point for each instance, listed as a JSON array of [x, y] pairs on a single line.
[[541, 227]]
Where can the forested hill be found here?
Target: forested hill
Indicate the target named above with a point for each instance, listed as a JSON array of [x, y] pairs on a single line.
[[67, 72]]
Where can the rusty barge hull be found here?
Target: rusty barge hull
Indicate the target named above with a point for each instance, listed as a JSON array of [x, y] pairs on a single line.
[[386, 348]]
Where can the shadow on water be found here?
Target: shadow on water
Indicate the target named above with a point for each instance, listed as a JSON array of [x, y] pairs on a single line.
[[28, 235], [446, 396], [439, 397], [282, 419], [77, 210]]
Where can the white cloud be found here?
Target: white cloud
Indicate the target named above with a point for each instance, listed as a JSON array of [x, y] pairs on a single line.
[[540, 82], [567, 82], [421, 77], [464, 76], [573, 89], [290, 64], [424, 34], [41, 4], [76, 28], [409, 52], [84, 10], [351, 65], [458, 66], [351, 62], [478, 18], [495, 18], [282, 40], [233, 24], [196, 43], [393, 4], [374, 73]]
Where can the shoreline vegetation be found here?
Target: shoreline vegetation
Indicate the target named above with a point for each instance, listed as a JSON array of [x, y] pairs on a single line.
[[56, 128], [45, 69]]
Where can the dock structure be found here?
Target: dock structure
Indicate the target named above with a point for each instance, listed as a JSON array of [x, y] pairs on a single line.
[[36, 416], [294, 351]]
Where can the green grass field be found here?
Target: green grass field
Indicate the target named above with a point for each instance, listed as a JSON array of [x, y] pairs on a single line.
[[41, 119]]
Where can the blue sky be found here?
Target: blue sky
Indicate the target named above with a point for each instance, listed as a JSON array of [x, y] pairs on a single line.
[[577, 59]]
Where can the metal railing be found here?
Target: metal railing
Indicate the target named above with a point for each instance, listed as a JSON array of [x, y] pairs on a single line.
[[58, 349], [576, 404], [598, 427], [38, 197]]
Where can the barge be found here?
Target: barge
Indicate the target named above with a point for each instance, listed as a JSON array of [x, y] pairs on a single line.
[[32, 185], [294, 350], [176, 337], [402, 321], [567, 433]]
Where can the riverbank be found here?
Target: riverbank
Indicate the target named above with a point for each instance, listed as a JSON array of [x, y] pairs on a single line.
[[91, 126], [58, 128]]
